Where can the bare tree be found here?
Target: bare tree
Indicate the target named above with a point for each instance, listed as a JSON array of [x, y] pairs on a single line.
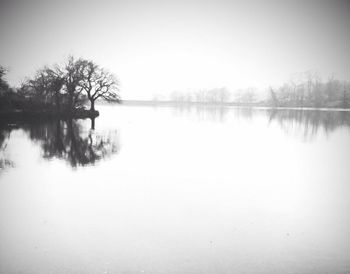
[[56, 81], [274, 98], [246, 96], [45, 87], [98, 83], [73, 73], [3, 84], [38, 87], [224, 95]]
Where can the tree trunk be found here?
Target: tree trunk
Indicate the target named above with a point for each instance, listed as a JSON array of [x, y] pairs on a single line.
[[92, 105]]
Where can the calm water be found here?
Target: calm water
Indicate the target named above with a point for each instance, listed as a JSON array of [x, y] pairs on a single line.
[[177, 190]]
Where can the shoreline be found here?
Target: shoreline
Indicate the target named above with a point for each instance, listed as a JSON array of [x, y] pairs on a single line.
[[236, 105], [46, 114]]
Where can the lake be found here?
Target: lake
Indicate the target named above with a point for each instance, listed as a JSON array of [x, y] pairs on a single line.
[[177, 190]]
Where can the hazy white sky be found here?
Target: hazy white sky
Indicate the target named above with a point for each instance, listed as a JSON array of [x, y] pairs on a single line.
[[161, 46]]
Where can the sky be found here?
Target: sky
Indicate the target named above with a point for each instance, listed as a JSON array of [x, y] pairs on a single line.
[[156, 47]]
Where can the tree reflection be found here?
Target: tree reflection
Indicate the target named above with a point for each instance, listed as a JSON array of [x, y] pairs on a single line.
[[5, 161], [79, 144], [69, 141]]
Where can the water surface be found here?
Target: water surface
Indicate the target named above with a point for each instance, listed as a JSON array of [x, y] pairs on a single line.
[[177, 190]]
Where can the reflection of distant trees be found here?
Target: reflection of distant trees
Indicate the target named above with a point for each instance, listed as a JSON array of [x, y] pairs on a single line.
[[293, 121], [67, 140], [309, 122], [213, 112], [246, 113]]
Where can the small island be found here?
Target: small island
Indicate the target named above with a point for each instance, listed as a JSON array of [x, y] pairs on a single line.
[[59, 91]]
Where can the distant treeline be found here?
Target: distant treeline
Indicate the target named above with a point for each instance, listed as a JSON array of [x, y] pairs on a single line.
[[60, 89], [307, 91], [216, 95], [311, 91]]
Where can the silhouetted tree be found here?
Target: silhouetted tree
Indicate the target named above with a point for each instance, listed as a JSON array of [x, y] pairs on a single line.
[[73, 73], [56, 82], [98, 83], [3, 83], [69, 85], [7, 95], [45, 87]]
